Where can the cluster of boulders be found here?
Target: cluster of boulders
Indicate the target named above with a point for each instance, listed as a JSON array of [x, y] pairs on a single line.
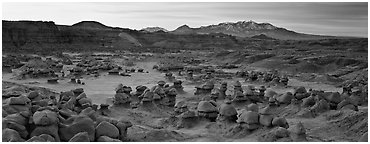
[[314, 102], [33, 117], [263, 77], [161, 95], [37, 68]]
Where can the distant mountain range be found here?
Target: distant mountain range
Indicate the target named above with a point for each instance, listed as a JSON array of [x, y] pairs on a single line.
[[154, 29], [248, 29], [239, 29]]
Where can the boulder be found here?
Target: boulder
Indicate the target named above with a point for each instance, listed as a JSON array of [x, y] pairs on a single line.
[[77, 91], [36, 139], [21, 129], [281, 132], [298, 129], [47, 138], [308, 102], [33, 94], [80, 137], [17, 118], [79, 124], [266, 120], [286, 98], [206, 106], [45, 118], [21, 100], [321, 106], [227, 109], [122, 126], [350, 107], [300, 89], [10, 94], [106, 129], [107, 139], [279, 121], [248, 117], [50, 130], [10, 135], [343, 103], [252, 107], [82, 95], [84, 101], [266, 111], [300, 96]]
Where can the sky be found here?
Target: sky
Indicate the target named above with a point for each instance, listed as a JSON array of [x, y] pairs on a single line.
[[337, 19]]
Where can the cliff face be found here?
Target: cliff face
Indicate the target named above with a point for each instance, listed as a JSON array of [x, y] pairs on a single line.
[[19, 33], [39, 36]]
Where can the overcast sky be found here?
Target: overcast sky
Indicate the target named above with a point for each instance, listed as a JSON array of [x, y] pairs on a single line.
[[341, 19]]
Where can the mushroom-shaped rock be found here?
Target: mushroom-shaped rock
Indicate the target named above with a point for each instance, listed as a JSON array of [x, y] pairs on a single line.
[[248, 117], [252, 107], [207, 110], [227, 109], [106, 129], [279, 121], [80, 137]]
